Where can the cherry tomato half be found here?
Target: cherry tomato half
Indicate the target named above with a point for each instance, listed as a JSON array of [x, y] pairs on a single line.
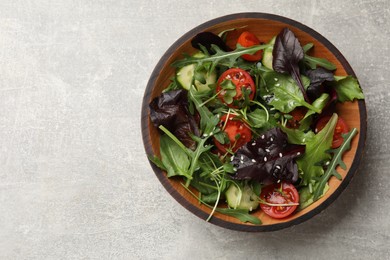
[[242, 80], [248, 39], [237, 131], [341, 128], [281, 193]]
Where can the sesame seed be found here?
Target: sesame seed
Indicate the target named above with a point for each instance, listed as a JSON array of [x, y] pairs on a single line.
[[327, 163], [242, 158], [278, 84], [280, 155], [262, 137], [278, 181], [241, 162], [205, 135], [276, 79], [254, 143], [253, 160], [298, 153], [303, 140], [234, 169], [316, 130], [278, 167], [267, 150], [232, 158], [265, 159], [271, 139]]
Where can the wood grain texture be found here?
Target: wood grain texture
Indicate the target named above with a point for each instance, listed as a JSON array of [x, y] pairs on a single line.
[[265, 26]]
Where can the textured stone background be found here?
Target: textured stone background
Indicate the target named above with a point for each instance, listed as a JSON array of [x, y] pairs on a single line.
[[74, 180]]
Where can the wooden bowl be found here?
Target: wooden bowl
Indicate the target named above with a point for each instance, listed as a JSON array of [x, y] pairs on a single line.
[[265, 26]]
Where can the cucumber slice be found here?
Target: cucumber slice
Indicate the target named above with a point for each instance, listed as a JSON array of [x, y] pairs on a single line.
[[185, 76], [267, 58], [241, 198], [267, 55]]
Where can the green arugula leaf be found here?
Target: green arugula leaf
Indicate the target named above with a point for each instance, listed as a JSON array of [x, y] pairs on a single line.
[[319, 103], [284, 93], [307, 47], [200, 74], [315, 152], [201, 148], [256, 187], [220, 57], [296, 136], [208, 120], [304, 124], [204, 179], [178, 159], [336, 161], [347, 88], [313, 62], [229, 168], [208, 162], [174, 85], [210, 198], [257, 118], [203, 185], [245, 100], [241, 214], [222, 137], [175, 160]]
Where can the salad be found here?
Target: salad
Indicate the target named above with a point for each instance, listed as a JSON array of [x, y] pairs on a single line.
[[253, 127]]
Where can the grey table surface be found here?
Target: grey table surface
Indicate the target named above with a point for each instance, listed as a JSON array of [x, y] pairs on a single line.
[[74, 179]]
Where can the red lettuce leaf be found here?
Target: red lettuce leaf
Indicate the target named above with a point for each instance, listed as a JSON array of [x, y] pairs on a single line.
[[317, 77], [170, 109], [268, 159], [287, 54]]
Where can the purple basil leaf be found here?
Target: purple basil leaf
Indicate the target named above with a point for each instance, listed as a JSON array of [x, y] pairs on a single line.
[[287, 54], [170, 109], [317, 77], [268, 159], [206, 39]]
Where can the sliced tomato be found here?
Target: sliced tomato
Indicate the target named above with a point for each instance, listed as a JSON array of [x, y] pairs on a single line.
[[237, 131], [248, 39], [241, 80], [281, 193], [341, 128]]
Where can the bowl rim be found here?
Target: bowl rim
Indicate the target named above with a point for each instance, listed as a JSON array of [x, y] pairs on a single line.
[[242, 226]]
